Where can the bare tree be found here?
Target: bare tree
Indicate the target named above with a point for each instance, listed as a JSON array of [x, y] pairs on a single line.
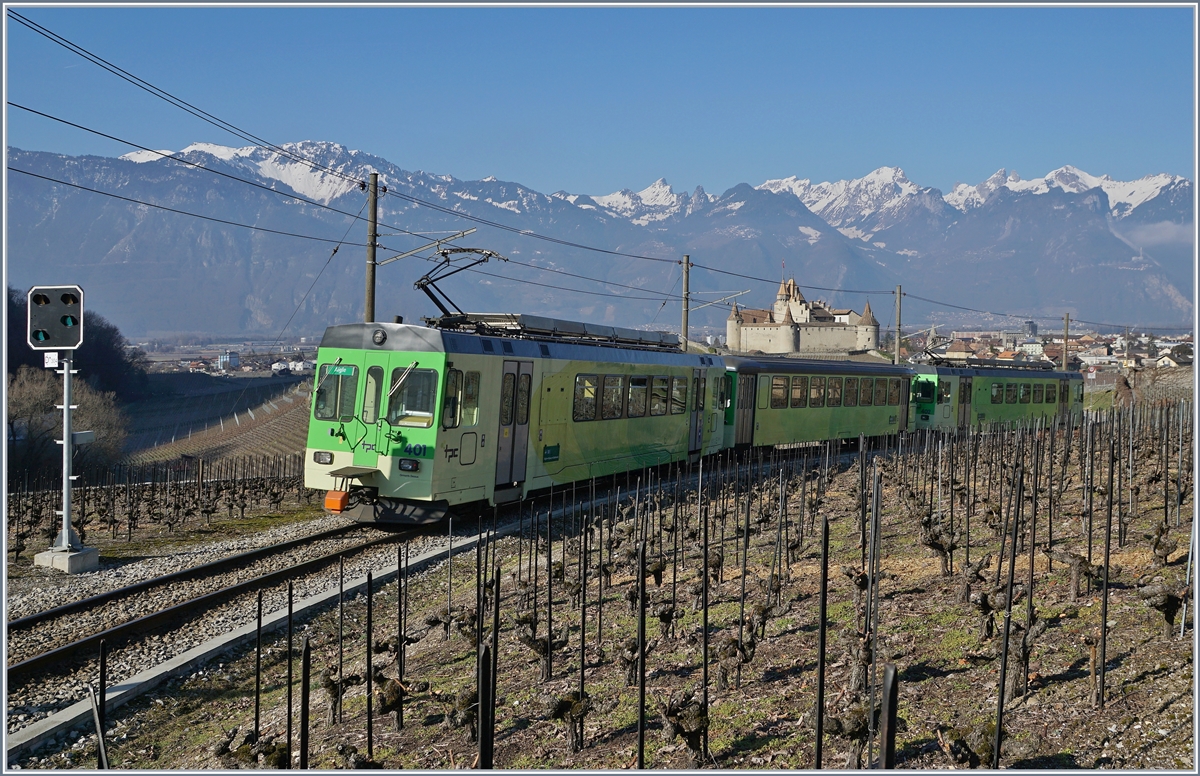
[[35, 422]]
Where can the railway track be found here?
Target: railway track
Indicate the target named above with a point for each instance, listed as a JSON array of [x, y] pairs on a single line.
[[50, 664]]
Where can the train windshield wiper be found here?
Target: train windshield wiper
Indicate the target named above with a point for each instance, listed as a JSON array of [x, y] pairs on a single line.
[[400, 380]]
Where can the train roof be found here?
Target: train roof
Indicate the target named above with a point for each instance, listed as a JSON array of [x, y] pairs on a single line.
[[787, 365], [1009, 372], [407, 337]]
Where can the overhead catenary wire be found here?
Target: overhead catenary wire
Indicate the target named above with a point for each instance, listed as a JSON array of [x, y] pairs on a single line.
[[198, 166], [170, 98], [181, 212]]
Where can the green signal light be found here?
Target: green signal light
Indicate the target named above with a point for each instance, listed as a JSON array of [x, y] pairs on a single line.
[[41, 335], [69, 321]]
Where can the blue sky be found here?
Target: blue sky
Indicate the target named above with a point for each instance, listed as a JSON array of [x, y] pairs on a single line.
[[595, 100]]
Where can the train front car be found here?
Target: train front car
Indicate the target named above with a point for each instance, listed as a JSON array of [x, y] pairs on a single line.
[[945, 397], [373, 430], [410, 422]]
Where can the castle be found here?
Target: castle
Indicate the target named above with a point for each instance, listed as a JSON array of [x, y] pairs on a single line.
[[795, 325]]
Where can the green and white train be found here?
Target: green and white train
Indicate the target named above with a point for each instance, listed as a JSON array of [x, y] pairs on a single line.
[[409, 422]]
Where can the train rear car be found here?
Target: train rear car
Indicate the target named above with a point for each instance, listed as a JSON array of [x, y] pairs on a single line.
[[946, 397]]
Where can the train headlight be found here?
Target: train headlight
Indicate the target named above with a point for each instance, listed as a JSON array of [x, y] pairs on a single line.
[[410, 465], [323, 457], [379, 336]]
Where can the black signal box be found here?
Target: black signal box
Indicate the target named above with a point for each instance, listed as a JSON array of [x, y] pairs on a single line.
[[55, 317]]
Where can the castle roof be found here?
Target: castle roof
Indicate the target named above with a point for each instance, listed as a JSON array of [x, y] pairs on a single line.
[[752, 316], [868, 319], [734, 315]]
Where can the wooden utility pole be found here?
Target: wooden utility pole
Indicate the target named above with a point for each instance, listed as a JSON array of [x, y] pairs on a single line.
[[1066, 331], [896, 357], [372, 233], [686, 301]]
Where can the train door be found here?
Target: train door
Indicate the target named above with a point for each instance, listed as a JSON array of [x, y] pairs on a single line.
[[1064, 398], [512, 437], [696, 422], [965, 396], [743, 433], [368, 438]]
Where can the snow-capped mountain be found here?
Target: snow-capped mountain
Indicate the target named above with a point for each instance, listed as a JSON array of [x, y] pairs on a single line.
[[862, 207], [1063, 242], [1123, 196], [656, 202]]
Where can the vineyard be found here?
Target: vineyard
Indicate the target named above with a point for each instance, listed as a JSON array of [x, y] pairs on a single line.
[[1029, 586], [195, 407], [133, 500]]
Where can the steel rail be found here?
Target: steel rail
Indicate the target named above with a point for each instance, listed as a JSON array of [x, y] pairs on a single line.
[[28, 669], [29, 621]]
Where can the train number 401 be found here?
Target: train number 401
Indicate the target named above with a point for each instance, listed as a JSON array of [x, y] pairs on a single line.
[[415, 450]]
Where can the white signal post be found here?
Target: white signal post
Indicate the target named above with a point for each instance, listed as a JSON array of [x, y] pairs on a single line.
[[56, 324], [68, 540]]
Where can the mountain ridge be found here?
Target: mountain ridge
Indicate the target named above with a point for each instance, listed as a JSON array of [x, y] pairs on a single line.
[[869, 233]]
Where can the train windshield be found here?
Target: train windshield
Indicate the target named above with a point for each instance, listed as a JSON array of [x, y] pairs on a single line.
[[336, 386], [412, 399]]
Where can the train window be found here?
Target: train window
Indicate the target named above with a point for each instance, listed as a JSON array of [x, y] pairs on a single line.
[[881, 391], [1037, 393], [925, 390], [945, 390], [336, 386], [411, 400], [1078, 392], [997, 393], [508, 389], [1010, 393], [701, 388], [638, 388], [585, 397], [523, 385], [851, 399], [799, 391], [658, 396], [613, 398], [450, 400], [1024, 393], [779, 392], [678, 395], [372, 394], [893, 391], [865, 390], [816, 392], [833, 394], [469, 406], [1050, 394]]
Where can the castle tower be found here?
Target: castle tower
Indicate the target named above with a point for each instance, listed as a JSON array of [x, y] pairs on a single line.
[[789, 330], [868, 329], [733, 330]]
